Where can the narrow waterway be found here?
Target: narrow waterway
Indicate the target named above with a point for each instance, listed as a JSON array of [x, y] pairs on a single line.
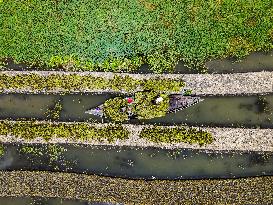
[[224, 111], [130, 162]]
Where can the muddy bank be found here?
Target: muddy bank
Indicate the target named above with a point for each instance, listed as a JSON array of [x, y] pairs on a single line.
[[201, 84], [256, 190], [224, 139]]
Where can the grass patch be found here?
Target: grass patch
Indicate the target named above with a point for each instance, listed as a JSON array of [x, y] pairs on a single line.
[[121, 35], [74, 82], [177, 135]]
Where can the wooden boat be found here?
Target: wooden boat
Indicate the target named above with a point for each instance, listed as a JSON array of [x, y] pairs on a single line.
[[177, 102]]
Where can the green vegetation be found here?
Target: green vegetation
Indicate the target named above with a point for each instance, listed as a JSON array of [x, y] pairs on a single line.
[[31, 130], [54, 112], [119, 35], [72, 82], [2, 150], [176, 135]]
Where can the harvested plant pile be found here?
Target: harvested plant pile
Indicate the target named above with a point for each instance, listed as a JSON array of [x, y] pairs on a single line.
[[113, 109], [119, 35], [145, 108]]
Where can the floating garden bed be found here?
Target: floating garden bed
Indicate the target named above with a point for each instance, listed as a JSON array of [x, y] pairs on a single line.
[[122, 35], [33, 129], [159, 134], [30, 130], [77, 82]]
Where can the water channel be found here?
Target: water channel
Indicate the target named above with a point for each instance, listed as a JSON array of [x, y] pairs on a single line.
[[136, 163], [223, 111]]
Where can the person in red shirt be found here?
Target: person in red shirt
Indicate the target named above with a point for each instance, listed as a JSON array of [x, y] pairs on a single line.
[[130, 100]]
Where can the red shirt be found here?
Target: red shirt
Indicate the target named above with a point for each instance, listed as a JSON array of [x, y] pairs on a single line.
[[129, 100]]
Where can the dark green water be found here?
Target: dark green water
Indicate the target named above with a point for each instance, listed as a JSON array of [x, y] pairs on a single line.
[[223, 111], [131, 162]]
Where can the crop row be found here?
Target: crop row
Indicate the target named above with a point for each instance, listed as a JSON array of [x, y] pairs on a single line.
[[30, 130], [75, 82], [117, 35]]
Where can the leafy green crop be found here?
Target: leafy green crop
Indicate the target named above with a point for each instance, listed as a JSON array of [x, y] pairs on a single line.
[[121, 35]]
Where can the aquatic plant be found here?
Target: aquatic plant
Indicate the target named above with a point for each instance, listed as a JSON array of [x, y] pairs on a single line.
[[262, 105], [55, 111], [159, 134], [2, 150], [53, 153], [72, 82], [109, 36]]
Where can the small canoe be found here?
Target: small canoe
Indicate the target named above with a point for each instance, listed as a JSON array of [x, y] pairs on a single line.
[[177, 102]]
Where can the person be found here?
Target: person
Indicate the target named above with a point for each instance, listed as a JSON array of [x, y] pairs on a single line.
[[159, 100], [130, 100]]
